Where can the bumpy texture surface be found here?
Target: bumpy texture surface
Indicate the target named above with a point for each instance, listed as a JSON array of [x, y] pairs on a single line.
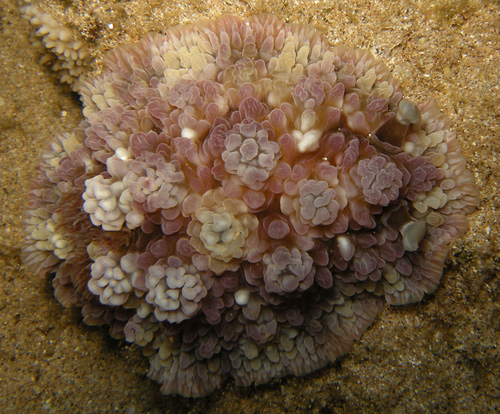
[[241, 200], [68, 57]]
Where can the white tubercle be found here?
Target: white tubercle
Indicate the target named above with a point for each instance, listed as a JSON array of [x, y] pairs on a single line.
[[122, 154], [308, 141], [345, 246], [189, 133], [412, 232], [242, 296]]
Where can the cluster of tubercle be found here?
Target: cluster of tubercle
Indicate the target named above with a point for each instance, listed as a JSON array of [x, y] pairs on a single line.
[[67, 56], [241, 200]]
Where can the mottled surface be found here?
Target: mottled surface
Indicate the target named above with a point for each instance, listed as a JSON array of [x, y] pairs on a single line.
[[427, 354], [241, 199]]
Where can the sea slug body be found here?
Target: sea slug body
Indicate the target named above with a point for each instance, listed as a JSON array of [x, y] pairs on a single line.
[[241, 200]]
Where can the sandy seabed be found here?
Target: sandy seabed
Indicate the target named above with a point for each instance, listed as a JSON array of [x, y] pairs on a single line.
[[441, 355]]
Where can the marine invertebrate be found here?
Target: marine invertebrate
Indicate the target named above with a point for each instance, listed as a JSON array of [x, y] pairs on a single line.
[[242, 199], [68, 56]]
